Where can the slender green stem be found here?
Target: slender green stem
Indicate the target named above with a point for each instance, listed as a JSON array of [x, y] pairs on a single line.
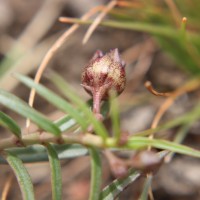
[[146, 187], [96, 174], [37, 138], [56, 177], [114, 112]]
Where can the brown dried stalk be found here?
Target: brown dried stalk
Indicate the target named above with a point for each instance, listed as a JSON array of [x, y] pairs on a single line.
[[98, 20]]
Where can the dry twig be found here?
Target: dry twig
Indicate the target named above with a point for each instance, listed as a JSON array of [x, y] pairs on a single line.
[[98, 19], [7, 187]]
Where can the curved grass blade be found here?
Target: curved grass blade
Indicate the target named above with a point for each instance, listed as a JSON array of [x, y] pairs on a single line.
[[38, 153], [54, 99], [146, 187], [9, 123], [135, 26], [179, 137], [22, 176], [114, 113], [56, 178], [185, 119], [65, 123], [62, 85], [96, 174], [111, 191], [14, 103], [136, 142]]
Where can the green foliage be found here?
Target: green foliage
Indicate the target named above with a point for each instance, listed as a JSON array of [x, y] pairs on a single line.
[[64, 88], [56, 179], [9, 123], [179, 39], [56, 152], [54, 99], [14, 103], [22, 175], [117, 186], [96, 174]]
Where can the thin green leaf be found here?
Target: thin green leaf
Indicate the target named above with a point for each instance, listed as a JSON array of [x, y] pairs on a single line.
[[146, 187], [8, 122], [54, 99], [137, 142], [96, 174], [180, 136], [114, 113], [14, 103], [38, 153], [22, 175], [187, 118], [56, 178], [111, 191], [11, 57], [62, 85], [65, 123], [161, 30]]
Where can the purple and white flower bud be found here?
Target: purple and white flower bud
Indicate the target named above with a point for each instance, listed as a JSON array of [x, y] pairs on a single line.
[[103, 74]]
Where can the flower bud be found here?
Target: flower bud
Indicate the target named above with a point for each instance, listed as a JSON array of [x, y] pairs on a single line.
[[103, 74], [104, 71]]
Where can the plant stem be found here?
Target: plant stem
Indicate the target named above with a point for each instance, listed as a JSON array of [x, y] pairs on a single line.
[[37, 138], [96, 102]]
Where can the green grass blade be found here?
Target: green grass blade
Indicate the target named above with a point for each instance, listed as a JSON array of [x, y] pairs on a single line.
[[17, 105], [146, 187], [143, 142], [114, 114], [96, 174], [62, 85], [56, 178], [161, 30], [11, 57], [54, 99], [65, 123], [111, 191], [9, 123], [38, 153], [185, 119], [180, 136], [22, 176]]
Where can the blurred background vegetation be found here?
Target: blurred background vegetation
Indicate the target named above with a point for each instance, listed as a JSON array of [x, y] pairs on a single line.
[[157, 43]]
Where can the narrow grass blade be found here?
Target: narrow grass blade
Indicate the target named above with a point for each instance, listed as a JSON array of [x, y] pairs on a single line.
[[161, 30], [143, 142], [180, 136], [9, 123], [65, 123], [38, 153], [22, 176], [17, 105], [146, 187], [96, 174], [54, 99], [56, 178], [114, 113], [111, 191], [185, 119], [62, 85]]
